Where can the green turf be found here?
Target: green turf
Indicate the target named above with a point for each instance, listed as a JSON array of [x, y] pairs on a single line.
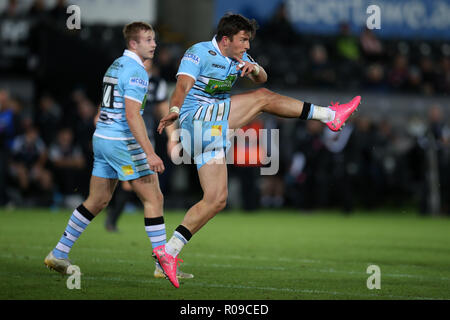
[[265, 255]]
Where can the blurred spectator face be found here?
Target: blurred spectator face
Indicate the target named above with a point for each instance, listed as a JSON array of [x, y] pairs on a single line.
[[385, 128], [61, 3], [375, 73], [78, 96], [86, 110], [31, 135], [445, 64], [46, 103], [319, 54], [15, 106], [27, 123], [4, 97], [435, 114], [400, 62], [426, 65], [39, 5], [415, 77], [344, 29], [65, 137], [12, 7]]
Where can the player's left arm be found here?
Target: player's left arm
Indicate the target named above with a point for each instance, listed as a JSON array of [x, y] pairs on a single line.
[[251, 69], [259, 76]]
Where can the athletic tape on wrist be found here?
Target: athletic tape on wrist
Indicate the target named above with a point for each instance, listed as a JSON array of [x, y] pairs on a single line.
[[255, 71], [174, 109]]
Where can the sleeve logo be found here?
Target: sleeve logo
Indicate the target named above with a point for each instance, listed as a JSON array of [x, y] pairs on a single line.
[[139, 82], [191, 57]]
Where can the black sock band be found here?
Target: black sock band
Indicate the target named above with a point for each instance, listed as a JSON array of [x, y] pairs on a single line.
[[85, 212], [184, 232], [305, 111], [153, 221]]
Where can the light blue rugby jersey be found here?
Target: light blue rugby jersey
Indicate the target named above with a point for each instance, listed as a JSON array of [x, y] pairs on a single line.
[[214, 74], [125, 78]]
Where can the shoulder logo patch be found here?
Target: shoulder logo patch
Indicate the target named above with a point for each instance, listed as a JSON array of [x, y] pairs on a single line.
[[211, 52], [191, 57]]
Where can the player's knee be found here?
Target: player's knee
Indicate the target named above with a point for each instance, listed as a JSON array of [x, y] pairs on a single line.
[[99, 203], [157, 199], [265, 97], [104, 203], [153, 201], [219, 202], [264, 93]]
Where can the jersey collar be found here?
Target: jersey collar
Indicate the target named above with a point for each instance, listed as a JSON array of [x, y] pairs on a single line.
[[216, 46], [133, 56]]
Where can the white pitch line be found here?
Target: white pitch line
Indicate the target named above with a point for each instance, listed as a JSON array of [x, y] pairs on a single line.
[[252, 267], [195, 283], [238, 257]]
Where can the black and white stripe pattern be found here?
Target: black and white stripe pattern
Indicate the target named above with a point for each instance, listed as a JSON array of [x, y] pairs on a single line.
[[78, 222], [213, 112], [156, 231]]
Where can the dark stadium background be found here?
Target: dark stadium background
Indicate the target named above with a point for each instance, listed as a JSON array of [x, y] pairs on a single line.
[[394, 153]]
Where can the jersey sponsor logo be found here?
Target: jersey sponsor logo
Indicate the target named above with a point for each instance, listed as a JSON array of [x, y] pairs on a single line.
[[191, 57], [218, 66], [139, 82], [220, 86], [211, 52]]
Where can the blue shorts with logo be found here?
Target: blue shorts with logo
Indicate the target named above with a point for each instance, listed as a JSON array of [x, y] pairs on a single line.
[[204, 132], [119, 159]]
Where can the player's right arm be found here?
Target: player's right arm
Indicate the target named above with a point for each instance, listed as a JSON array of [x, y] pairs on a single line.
[[184, 84], [139, 131], [188, 71]]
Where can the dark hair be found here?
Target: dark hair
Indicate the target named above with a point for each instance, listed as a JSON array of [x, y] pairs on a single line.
[[131, 30], [231, 24]]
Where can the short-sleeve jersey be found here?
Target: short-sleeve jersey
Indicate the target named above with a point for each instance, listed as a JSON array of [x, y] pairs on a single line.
[[214, 74], [125, 78]]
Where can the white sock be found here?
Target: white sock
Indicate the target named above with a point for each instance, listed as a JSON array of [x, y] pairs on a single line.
[[323, 114], [175, 244]]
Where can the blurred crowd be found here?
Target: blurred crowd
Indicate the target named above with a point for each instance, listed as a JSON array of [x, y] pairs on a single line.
[[349, 61], [45, 155], [46, 160], [45, 141]]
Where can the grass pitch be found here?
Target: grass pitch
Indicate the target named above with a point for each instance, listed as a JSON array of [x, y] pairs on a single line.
[[264, 255]]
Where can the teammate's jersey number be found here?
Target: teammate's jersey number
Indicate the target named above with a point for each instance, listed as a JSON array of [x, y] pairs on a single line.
[[108, 95]]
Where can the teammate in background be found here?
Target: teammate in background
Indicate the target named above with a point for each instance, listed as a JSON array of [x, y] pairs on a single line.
[[156, 105], [122, 150], [206, 74]]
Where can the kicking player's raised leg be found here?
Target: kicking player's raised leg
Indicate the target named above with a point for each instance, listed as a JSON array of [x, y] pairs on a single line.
[[246, 106], [100, 193]]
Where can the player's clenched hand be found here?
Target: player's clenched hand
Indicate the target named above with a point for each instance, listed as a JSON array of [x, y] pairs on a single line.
[[167, 121], [155, 163], [245, 66]]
